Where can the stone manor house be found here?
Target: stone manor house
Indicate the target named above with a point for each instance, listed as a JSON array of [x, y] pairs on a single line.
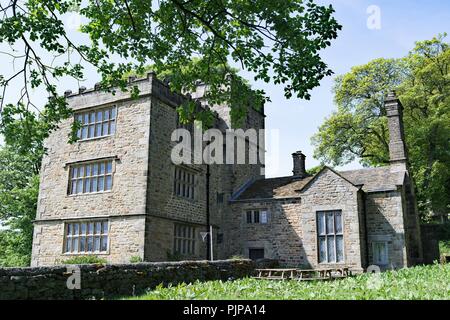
[[116, 194]]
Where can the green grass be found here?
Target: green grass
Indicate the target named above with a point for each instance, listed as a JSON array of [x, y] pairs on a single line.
[[424, 282]]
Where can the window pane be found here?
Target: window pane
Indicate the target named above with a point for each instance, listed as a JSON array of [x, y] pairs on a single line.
[[330, 247], [76, 229], [88, 170], [91, 228], [249, 217], [98, 129], [75, 244], [83, 132], [264, 217], [105, 227], [108, 183], [82, 244], [339, 249], [69, 229], [106, 115], [90, 244], [81, 171], [87, 185], [256, 216], [109, 167], [86, 118], [113, 113], [97, 243], [95, 169], [98, 227], [338, 222], [102, 168], [100, 183], [74, 172], [92, 117], [83, 228], [94, 185], [321, 223], [330, 223], [74, 187], [105, 128], [69, 245], [322, 249], [99, 116], [79, 187], [104, 244], [112, 128]]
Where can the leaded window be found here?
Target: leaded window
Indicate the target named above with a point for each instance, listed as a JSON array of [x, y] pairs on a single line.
[[89, 177], [96, 123], [184, 239], [330, 236], [86, 237]]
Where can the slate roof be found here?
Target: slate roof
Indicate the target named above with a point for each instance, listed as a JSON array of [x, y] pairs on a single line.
[[370, 179]]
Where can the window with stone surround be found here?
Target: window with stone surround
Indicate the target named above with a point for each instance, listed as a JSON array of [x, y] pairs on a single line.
[[184, 239], [184, 183], [90, 177], [257, 216], [380, 253], [96, 123], [330, 236], [86, 237]]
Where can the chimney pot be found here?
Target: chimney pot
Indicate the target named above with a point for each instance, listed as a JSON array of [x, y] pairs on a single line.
[[82, 89], [67, 93]]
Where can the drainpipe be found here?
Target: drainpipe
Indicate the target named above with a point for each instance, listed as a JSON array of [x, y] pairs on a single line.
[[208, 218]]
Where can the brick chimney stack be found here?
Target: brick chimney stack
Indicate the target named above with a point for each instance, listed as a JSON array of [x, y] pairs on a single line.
[[397, 149], [299, 164]]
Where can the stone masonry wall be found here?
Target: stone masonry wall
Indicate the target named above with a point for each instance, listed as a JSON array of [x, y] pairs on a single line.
[[291, 234], [129, 146], [385, 224], [113, 281]]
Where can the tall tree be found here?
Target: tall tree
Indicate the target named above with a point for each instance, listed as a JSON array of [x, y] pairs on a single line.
[[277, 41], [358, 129]]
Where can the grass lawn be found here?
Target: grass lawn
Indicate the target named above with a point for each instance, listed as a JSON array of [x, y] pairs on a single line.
[[424, 282]]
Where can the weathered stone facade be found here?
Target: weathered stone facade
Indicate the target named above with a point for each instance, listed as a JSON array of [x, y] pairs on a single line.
[[376, 223]]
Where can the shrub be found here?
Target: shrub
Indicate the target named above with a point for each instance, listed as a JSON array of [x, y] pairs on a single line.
[[135, 259], [85, 260]]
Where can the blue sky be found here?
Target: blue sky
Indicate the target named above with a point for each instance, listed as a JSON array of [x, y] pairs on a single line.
[[402, 23]]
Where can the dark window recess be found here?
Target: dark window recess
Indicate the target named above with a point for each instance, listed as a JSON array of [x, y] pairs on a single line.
[[220, 197], [256, 254], [219, 238], [256, 216], [249, 216]]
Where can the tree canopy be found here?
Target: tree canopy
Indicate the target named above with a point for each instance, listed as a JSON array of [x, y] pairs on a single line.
[[358, 128], [276, 41]]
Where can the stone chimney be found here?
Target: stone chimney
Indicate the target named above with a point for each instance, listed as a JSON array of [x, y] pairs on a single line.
[[397, 149], [299, 164]]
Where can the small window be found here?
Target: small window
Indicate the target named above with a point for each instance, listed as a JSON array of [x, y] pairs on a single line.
[[86, 237], [380, 253], [257, 216], [184, 183], [184, 239], [256, 253], [90, 177], [96, 123]]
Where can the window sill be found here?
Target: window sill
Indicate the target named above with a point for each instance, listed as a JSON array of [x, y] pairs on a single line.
[[95, 138], [85, 253], [88, 194]]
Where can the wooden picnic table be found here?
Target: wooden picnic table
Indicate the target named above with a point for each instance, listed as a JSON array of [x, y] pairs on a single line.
[[302, 274]]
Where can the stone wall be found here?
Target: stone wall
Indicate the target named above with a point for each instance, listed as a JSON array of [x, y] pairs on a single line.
[[291, 233], [385, 223], [113, 281]]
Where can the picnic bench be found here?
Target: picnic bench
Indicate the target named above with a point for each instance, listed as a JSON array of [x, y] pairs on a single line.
[[302, 274]]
